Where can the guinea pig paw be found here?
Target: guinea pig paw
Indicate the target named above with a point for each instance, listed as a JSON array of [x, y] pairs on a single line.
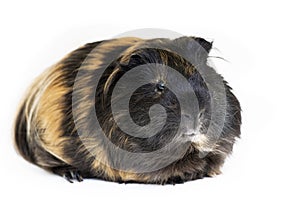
[[69, 173], [72, 175], [174, 180]]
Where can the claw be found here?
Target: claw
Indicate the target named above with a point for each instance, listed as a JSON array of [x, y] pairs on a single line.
[[69, 173], [79, 177], [68, 178], [73, 175]]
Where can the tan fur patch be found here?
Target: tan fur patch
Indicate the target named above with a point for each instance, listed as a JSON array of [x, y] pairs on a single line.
[[45, 112], [93, 62], [130, 176], [98, 165]]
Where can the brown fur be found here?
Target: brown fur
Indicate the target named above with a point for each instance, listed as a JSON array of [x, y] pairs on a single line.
[[45, 133]]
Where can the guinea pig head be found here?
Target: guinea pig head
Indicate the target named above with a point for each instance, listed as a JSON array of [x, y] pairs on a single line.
[[157, 98]]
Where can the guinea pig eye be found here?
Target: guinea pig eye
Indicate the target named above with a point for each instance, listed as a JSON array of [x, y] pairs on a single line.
[[160, 87]]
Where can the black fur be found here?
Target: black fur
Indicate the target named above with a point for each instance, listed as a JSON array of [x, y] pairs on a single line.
[[81, 164]]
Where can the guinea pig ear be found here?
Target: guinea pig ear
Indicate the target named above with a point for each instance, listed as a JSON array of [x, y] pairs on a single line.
[[204, 43]]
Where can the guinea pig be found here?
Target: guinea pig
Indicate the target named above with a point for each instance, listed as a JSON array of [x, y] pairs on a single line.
[[130, 110]]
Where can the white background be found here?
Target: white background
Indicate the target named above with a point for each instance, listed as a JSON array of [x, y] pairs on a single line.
[[260, 39]]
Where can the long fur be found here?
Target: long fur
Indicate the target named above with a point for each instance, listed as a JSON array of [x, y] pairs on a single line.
[[46, 135]]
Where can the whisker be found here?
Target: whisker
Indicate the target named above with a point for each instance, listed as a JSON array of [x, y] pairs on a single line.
[[219, 58]]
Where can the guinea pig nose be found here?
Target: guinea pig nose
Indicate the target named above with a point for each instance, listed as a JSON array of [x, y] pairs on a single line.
[[189, 121]]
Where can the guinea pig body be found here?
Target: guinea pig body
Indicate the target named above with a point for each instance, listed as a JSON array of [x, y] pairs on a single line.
[[56, 131]]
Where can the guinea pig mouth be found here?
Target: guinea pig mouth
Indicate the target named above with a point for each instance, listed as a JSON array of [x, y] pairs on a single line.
[[195, 137], [190, 134]]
